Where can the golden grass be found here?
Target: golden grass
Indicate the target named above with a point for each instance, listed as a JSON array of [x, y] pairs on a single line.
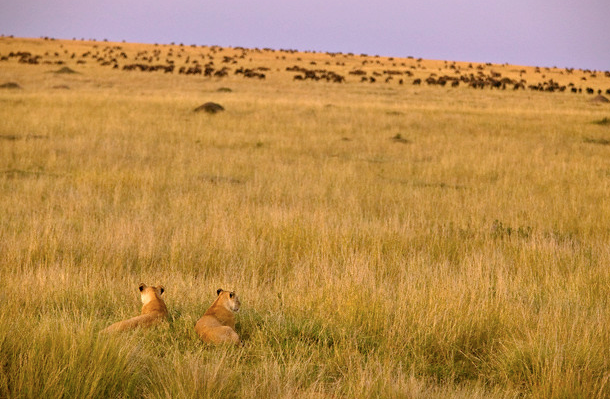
[[469, 261]]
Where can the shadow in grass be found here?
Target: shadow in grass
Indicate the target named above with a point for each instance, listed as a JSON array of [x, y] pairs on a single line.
[[590, 140], [438, 185], [603, 122], [215, 179], [19, 173], [500, 230], [15, 137], [424, 184]]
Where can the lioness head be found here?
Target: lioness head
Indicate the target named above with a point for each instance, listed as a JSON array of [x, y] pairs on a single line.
[[150, 293], [228, 299]]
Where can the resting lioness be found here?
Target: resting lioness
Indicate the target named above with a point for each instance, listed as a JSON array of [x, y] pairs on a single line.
[[217, 325], [153, 310]]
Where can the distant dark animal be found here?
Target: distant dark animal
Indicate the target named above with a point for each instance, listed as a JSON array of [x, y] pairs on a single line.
[[357, 72]]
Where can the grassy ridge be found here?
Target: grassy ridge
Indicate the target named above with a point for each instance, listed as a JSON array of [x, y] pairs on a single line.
[[467, 260]]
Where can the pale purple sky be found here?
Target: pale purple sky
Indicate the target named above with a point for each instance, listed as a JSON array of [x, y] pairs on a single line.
[[563, 33]]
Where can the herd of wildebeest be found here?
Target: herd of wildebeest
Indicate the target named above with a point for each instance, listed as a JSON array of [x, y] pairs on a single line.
[[215, 63]]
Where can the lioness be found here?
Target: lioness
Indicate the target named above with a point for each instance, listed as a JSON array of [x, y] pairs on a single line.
[[153, 310], [217, 325]]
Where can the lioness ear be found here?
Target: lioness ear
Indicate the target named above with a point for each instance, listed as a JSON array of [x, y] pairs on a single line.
[[161, 289], [218, 291], [142, 286]]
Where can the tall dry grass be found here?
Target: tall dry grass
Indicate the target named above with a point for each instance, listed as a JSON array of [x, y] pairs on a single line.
[[468, 261]]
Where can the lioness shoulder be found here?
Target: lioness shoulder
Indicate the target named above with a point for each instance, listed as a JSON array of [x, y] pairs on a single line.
[[153, 310], [217, 325]]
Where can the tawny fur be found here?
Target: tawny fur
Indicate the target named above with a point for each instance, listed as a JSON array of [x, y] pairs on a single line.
[[153, 310], [217, 325]]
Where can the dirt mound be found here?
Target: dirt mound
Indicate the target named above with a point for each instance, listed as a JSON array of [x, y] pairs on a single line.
[[600, 99], [210, 108], [399, 139], [66, 70], [10, 85]]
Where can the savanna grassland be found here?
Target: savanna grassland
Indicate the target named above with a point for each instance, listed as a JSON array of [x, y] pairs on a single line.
[[386, 239]]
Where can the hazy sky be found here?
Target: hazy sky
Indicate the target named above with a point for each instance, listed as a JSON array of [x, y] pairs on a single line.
[[563, 33]]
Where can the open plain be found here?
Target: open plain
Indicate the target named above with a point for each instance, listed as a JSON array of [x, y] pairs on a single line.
[[446, 238]]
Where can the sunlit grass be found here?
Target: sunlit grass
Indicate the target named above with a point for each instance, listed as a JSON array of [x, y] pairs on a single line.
[[468, 260]]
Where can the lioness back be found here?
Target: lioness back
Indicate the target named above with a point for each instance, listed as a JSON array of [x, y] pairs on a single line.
[[153, 310], [217, 325]]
